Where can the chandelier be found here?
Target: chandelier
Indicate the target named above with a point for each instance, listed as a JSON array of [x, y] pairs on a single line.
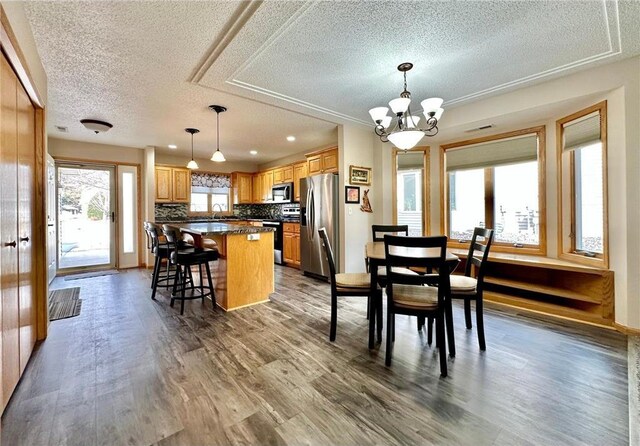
[[406, 133], [218, 157]]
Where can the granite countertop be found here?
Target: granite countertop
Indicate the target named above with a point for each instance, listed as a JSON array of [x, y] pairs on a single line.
[[210, 228]]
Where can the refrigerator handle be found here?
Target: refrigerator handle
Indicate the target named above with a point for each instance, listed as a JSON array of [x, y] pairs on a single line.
[[313, 214]]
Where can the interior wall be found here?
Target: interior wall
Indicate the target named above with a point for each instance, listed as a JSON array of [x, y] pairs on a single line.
[[296, 157], [619, 84], [356, 146], [206, 164], [148, 197], [63, 148]]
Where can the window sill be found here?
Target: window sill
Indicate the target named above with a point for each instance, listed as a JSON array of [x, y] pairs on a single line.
[[497, 247], [596, 262]]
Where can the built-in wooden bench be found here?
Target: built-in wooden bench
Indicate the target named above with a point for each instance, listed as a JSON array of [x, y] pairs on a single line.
[[549, 285]]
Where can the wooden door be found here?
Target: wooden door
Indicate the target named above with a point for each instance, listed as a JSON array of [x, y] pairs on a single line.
[[330, 161], [244, 188], [278, 176], [287, 174], [299, 172], [288, 247], [314, 165], [9, 232], [163, 184], [267, 184], [257, 187], [26, 202], [181, 181]]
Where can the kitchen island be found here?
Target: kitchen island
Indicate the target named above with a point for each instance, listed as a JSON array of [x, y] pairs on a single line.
[[244, 274]]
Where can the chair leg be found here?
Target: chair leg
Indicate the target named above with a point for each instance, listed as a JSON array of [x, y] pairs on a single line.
[[210, 281], [448, 316], [176, 281], [368, 307], [201, 281], [155, 278], [379, 316], [430, 330], [467, 313], [480, 323], [184, 287], [441, 343], [420, 321], [334, 317], [390, 320]]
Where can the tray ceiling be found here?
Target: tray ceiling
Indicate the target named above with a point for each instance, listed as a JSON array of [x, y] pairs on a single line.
[[300, 68]]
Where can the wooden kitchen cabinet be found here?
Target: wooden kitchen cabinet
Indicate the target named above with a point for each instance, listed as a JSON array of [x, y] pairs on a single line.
[[291, 244], [322, 162], [278, 176], [299, 172], [242, 187], [287, 174], [267, 184], [256, 179], [181, 187], [173, 184]]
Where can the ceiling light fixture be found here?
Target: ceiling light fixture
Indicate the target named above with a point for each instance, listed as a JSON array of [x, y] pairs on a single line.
[[95, 125], [253, 152], [291, 138], [405, 134], [172, 146], [218, 157], [192, 164]]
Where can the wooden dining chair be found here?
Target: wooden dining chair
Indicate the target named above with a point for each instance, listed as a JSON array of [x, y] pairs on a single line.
[[343, 284], [470, 285], [379, 231], [421, 295]]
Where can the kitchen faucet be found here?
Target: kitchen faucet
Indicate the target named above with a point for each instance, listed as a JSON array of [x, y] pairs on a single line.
[[213, 209]]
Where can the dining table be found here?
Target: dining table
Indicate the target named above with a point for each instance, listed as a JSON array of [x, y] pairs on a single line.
[[375, 253]]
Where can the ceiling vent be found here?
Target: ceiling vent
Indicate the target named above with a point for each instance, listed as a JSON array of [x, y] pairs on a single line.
[[62, 128], [483, 127]]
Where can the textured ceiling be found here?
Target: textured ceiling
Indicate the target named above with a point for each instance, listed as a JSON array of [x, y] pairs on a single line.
[[285, 67]]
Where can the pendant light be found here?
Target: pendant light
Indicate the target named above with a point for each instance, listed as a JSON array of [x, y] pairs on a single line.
[[218, 157], [192, 164]]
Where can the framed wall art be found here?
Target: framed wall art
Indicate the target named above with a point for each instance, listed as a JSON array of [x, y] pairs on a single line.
[[351, 195], [360, 175]]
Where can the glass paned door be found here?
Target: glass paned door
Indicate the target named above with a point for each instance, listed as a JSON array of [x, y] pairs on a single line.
[[86, 214]]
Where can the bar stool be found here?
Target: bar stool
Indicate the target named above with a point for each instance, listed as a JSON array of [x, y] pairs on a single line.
[[183, 261], [160, 249]]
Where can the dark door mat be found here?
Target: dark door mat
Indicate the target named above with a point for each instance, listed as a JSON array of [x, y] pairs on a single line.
[[64, 303]]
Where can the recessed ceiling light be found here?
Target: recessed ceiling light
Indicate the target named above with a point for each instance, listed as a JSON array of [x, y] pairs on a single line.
[[253, 152], [172, 146], [291, 138]]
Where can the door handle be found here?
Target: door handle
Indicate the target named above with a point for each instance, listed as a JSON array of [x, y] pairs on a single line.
[[113, 217], [24, 239], [12, 244], [51, 225]]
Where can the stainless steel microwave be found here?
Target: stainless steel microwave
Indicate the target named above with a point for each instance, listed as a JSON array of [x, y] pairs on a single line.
[[282, 193]]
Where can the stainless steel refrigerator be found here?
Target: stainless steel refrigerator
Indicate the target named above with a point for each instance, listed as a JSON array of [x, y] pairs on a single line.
[[319, 200]]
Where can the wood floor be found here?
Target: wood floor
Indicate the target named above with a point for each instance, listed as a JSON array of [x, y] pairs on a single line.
[[130, 371]]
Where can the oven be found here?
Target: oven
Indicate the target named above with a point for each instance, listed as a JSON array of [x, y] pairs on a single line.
[[277, 239]]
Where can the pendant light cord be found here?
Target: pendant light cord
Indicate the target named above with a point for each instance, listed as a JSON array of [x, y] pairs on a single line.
[[218, 131], [191, 147]]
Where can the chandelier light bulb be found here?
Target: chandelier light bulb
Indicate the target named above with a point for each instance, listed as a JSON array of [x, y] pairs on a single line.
[[399, 105], [431, 104], [378, 113], [406, 139]]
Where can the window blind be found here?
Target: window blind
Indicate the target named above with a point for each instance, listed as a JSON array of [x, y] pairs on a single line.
[[582, 132], [493, 153]]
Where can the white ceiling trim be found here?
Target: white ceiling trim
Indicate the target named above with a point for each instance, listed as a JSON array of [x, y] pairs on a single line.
[[238, 20], [615, 48]]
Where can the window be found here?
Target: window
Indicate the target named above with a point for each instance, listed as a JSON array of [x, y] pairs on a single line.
[[410, 185], [582, 185], [209, 202], [495, 182]]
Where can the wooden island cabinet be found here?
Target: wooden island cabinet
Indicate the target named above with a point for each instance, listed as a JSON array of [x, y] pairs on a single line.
[[291, 244]]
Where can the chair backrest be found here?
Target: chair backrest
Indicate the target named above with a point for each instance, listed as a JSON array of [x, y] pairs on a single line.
[[173, 237], [328, 251], [419, 252], [379, 231], [147, 236], [478, 253]]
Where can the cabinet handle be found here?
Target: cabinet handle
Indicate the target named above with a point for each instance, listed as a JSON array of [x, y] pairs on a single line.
[[24, 239], [12, 244]]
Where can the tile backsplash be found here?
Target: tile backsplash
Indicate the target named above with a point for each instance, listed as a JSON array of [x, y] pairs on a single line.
[[179, 211]]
